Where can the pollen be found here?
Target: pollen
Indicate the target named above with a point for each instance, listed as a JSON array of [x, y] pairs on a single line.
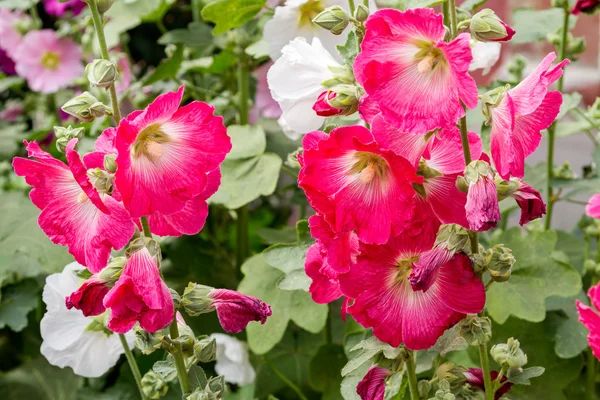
[[369, 167], [154, 149], [308, 11]]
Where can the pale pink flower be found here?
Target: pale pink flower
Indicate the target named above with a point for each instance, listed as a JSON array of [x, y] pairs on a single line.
[[265, 105], [592, 208], [13, 26], [48, 62]]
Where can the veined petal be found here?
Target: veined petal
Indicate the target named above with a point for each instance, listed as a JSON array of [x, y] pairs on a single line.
[[501, 146], [446, 201], [325, 286], [341, 248]]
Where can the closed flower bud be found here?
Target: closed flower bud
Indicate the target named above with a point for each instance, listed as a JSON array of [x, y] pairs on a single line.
[[491, 99], [196, 299], [362, 13], [509, 354], [205, 349], [144, 242], [104, 5], [585, 6], [334, 19], [443, 393], [501, 262], [424, 387], [102, 73], [89, 297], [148, 342], [64, 136], [323, 106], [113, 270], [451, 373], [372, 386], [236, 310], [475, 330], [79, 106], [589, 266], [98, 109], [154, 386], [216, 384], [487, 27], [110, 163], [482, 210], [564, 172]]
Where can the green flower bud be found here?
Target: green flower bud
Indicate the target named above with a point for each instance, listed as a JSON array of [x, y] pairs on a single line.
[[154, 386], [341, 75], [424, 387], [205, 349], [98, 109], [79, 106], [426, 171], [589, 266], [477, 169], [102, 180], [453, 237], [506, 188], [491, 99], [487, 27], [102, 73], [334, 19], [113, 270], [110, 163], [64, 136], [104, 5], [509, 354], [475, 330], [196, 299], [139, 243], [148, 342], [451, 373], [500, 263], [200, 394], [292, 159], [461, 184], [576, 46], [361, 13], [216, 385], [564, 172], [443, 393]]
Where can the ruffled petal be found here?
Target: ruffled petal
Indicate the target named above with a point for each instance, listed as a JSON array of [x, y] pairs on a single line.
[[325, 286]]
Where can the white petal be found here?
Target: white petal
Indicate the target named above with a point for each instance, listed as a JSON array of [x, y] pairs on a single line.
[[60, 285], [232, 360], [485, 55], [60, 329]]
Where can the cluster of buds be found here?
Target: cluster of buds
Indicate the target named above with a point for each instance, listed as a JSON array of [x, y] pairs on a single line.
[[102, 73], [509, 355], [335, 19], [451, 373], [497, 260], [564, 172], [64, 136], [575, 45], [342, 94], [475, 330], [86, 107], [213, 390]]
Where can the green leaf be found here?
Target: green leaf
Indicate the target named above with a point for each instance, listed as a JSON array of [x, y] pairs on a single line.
[[229, 14], [18, 4], [395, 386], [534, 25], [9, 82], [166, 369], [286, 234], [246, 141], [367, 350], [324, 368], [523, 377], [197, 377], [573, 247], [17, 301], [349, 50], [167, 69], [243, 393], [290, 258], [536, 275], [570, 102], [25, 251], [471, 5], [570, 335], [421, 3], [450, 341], [197, 35], [260, 280], [125, 15]]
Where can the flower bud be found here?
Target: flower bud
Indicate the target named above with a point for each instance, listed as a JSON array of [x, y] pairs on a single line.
[[64, 136], [475, 330], [564, 172], [443, 393], [451, 373], [506, 188], [487, 27], [491, 99], [113, 270], [150, 244], [89, 296], [424, 387], [102, 73], [361, 13], [79, 106], [205, 349], [589, 266], [334, 19], [104, 5], [585, 6], [110, 163], [154, 386], [216, 384], [501, 262], [509, 354], [102, 180], [98, 109], [197, 299], [148, 342], [322, 106], [372, 385]]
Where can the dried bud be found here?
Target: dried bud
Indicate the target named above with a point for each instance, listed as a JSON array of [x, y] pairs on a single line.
[[509, 354], [475, 330], [451, 373], [487, 27], [104, 5], [110, 163], [79, 106], [64, 136], [500, 262], [361, 13], [334, 19], [154, 386], [102, 73], [197, 299], [205, 349]]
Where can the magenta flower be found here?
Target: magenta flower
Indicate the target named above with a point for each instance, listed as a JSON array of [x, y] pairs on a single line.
[[356, 185], [236, 310], [12, 111], [165, 154], [89, 297], [418, 80], [13, 26], [325, 286], [530, 202], [482, 209], [7, 65], [592, 208], [74, 213], [585, 6], [475, 379], [341, 248], [521, 115], [58, 8], [385, 301], [591, 319], [48, 62], [140, 295], [372, 386]]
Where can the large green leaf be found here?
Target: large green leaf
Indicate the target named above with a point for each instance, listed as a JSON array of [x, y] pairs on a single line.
[[260, 280], [536, 275], [534, 25], [25, 251], [570, 335], [229, 14], [197, 34], [324, 370], [17, 301]]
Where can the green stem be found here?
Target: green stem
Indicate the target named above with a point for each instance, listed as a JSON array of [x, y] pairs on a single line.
[[464, 138], [286, 380], [196, 10], [146, 227], [243, 245], [498, 380], [485, 367], [133, 365], [411, 369], [446, 12], [352, 7], [590, 392], [552, 129], [327, 330], [35, 15], [453, 24], [99, 27], [179, 361]]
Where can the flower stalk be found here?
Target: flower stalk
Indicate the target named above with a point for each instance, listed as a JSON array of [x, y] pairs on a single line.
[[242, 239], [411, 369], [184, 382], [133, 365]]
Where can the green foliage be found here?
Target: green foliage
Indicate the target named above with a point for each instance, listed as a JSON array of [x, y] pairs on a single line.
[[197, 35], [260, 280], [471, 5], [523, 377], [349, 50], [324, 370], [533, 25], [229, 14], [406, 4], [570, 335], [18, 4], [17, 301], [167, 69], [248, 172]]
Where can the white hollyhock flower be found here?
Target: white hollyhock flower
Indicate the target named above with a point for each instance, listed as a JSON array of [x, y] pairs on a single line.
[[485, 55], [66, 340], [295, 81], [232, 360]]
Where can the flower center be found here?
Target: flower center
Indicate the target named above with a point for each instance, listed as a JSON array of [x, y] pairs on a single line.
[[82, 198], [150, 142], [404, 267], [308, 11], [50, 60], [369, 167], [429, 58]]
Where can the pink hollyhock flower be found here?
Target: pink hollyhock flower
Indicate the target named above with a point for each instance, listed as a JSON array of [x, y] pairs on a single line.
[[125, 74], [13, 26], [385, 301], [592, 208], [521, 114], [530, 202], [265, 105], [325, 286], [58, 8], [165, 154], [439, 160], [48, 62], [591, 319], [356, 185], [89, 297], [368, 109], [322, 106], [236, 310], [585, 6], [74, 213], [419, 81], [341, 248], [482, 209], [475, 379], [140, 295], [372, 386]]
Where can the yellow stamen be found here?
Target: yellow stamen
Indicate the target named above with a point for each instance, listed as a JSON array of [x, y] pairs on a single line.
[[308, 11], [82, 198], [150, 142], [50, 60]]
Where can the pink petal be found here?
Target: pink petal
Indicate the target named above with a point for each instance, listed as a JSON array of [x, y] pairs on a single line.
[[324, 287], [341, 248], [592, 208]]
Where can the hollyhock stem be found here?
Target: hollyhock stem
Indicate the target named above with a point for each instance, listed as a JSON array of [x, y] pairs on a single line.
[[133, 365], [590, 390], [243, 247], [411, 368], [179, 362], [99, 26], [453, 24], [485, 367], [146, 227], [352, 7], [552, 129]]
